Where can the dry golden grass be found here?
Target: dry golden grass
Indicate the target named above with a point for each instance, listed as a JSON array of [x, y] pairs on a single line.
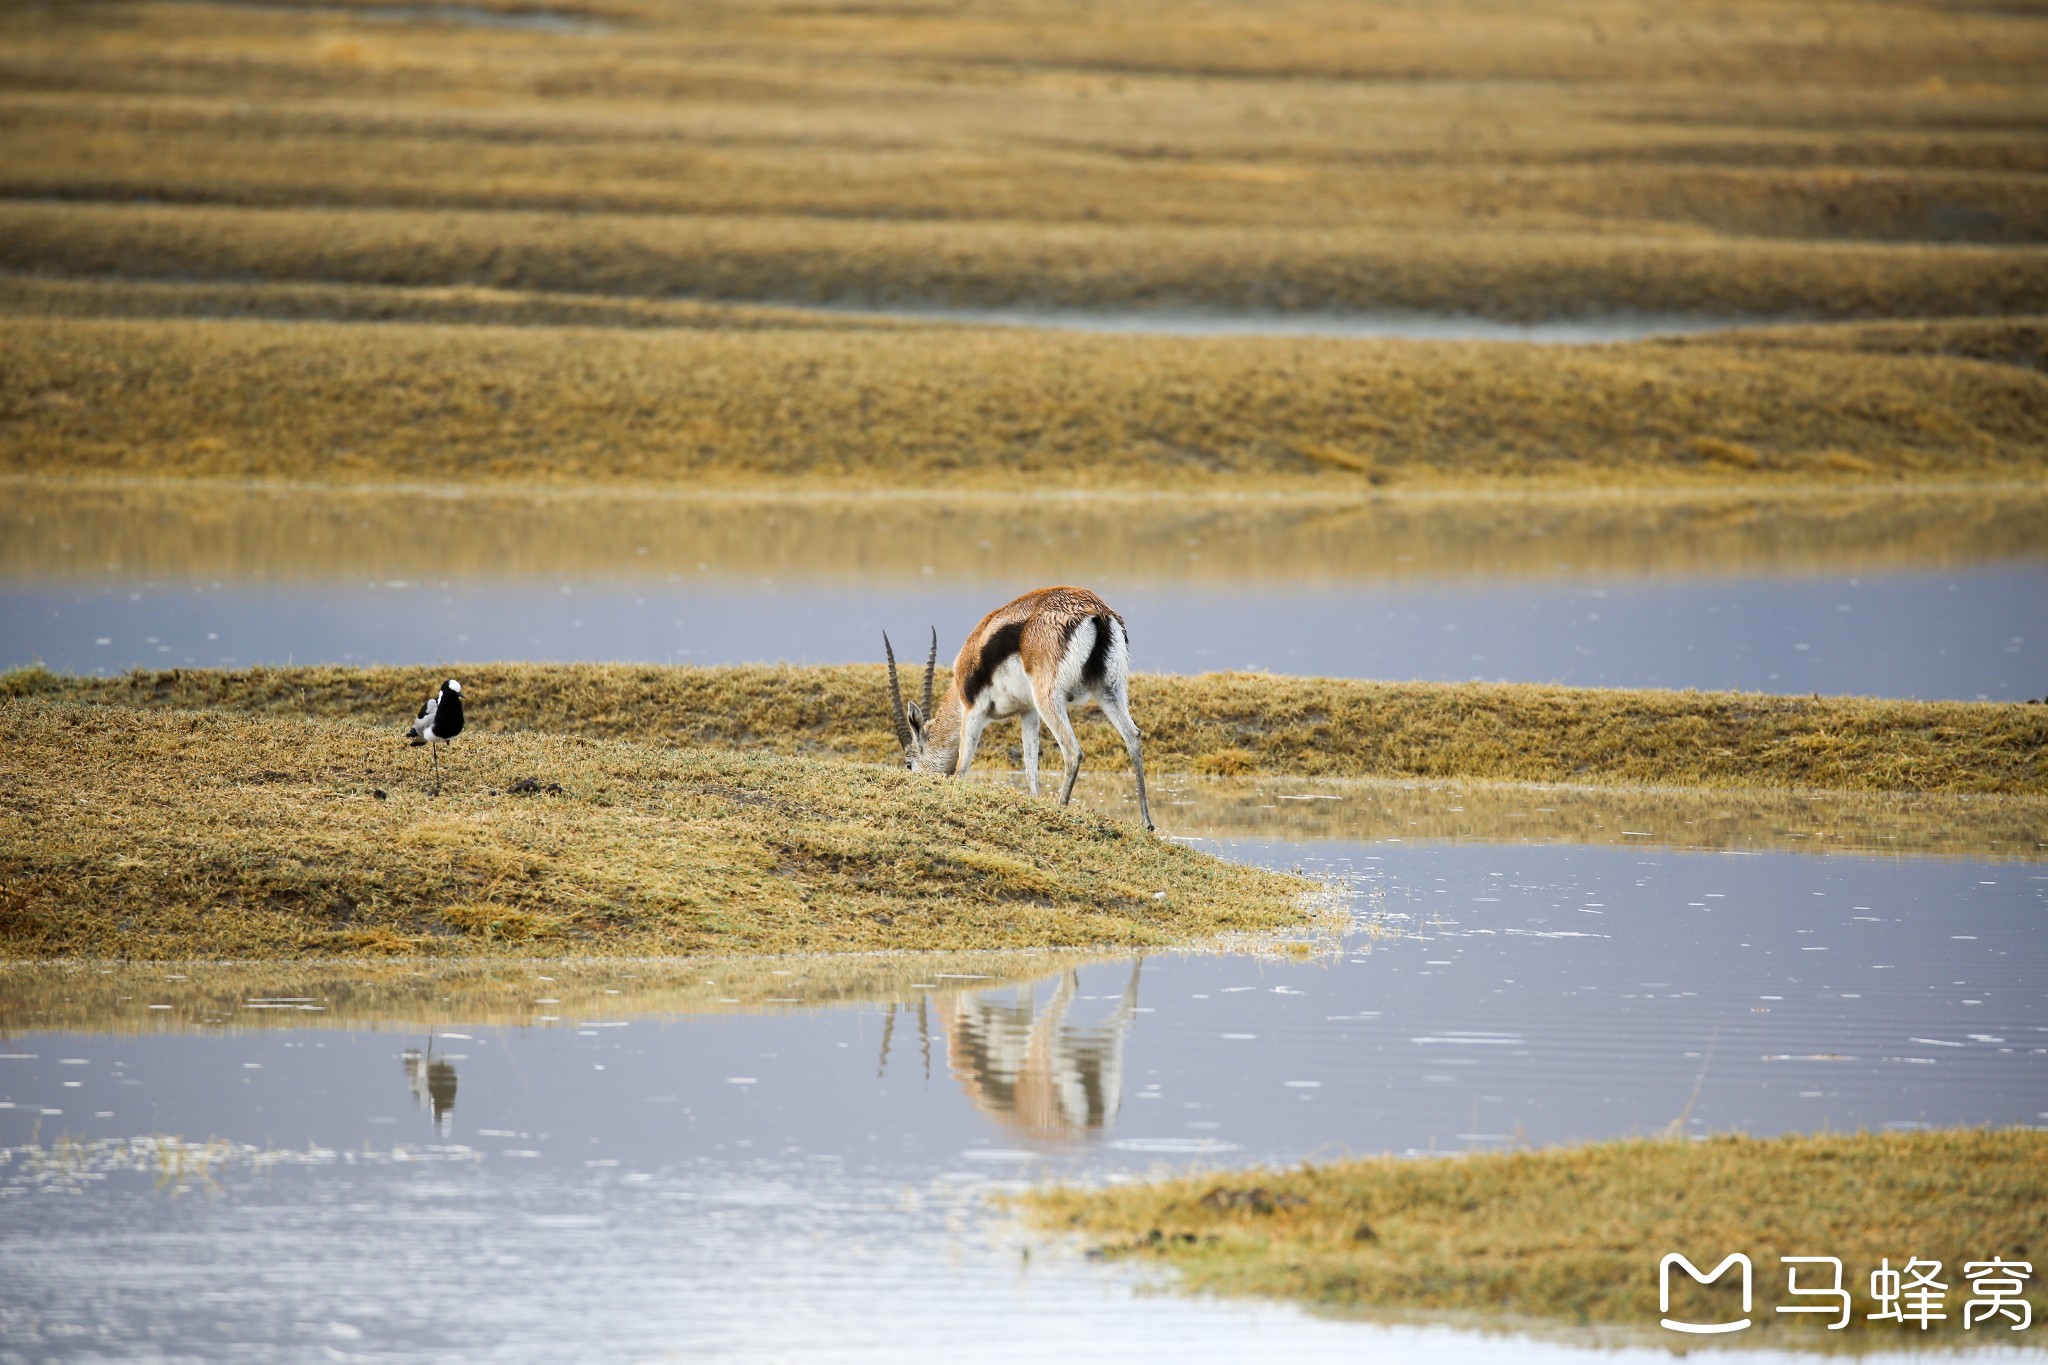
[[73, 530], [1579, 156], [1576, 1234], [1224, 724], [1171, 150], [460, 305], [166, 834], [1846, 120], [1999, 341], [987, 408], [1450, 267]]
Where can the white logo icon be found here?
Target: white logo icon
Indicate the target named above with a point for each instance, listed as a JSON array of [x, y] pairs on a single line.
[[1701, 1329]]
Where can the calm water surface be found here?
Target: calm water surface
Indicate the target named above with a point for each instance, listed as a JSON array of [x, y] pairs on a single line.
[[795, 1180], [1912, 598], [1969, 634]]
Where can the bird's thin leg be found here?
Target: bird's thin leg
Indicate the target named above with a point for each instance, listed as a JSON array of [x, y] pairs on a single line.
[[436, 752]]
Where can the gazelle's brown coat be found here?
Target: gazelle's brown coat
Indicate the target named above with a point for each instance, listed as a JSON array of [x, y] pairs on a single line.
[[1038, 657]]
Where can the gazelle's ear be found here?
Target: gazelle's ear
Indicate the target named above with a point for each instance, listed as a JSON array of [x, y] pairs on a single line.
[[915, 715]]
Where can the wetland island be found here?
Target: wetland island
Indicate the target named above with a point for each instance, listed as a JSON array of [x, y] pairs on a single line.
[[1568, 489]]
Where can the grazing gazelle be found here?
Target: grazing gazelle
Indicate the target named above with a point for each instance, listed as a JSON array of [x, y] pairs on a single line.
[[1038, 655]]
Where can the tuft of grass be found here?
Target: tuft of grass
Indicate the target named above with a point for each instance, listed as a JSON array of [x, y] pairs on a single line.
[[1739, 456], [1575, 1235], [152, 834], [1232, 723], [982, 408]]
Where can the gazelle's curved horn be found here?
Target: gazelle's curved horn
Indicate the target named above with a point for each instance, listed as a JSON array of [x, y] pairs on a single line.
[[896, 715], [931, 661]]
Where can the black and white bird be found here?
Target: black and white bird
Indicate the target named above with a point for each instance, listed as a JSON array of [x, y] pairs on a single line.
[[438, 723]]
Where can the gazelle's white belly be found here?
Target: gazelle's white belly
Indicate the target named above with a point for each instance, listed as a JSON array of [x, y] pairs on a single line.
[[1009, 690]]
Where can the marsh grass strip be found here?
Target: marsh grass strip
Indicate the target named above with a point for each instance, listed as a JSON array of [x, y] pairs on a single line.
[[1219, 724], [694, 409], [158, 834], [1574, 1235]]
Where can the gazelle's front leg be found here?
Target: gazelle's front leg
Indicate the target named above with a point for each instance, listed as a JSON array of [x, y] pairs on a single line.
[[1031, 724], [970, 737]]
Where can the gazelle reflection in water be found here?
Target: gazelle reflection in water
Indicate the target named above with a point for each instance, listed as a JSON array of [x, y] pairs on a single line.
[[1029, 1068], [432, 1080]]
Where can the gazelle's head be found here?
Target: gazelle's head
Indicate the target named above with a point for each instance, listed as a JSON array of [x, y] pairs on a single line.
[[913, 720]]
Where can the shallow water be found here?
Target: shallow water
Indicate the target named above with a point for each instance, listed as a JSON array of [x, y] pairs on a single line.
[[805, 1175], [88, 533], [1297, 810], [1959, 634], [1885, 597]]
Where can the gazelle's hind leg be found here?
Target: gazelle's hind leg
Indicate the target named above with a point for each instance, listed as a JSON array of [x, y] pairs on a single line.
[[1031, 724], [1117, 707], [1053, 707]]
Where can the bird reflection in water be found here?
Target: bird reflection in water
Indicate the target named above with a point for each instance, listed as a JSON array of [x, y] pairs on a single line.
[[1032, 1070], [432, 1080]]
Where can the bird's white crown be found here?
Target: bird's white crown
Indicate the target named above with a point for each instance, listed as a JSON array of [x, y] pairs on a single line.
[[454, 686]]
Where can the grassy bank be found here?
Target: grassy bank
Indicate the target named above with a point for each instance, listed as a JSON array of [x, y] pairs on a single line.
[[1565, 271], [106, 296], [1999, 341], [169, 834], [1575, 1235], [987, 408], [1220, 723]]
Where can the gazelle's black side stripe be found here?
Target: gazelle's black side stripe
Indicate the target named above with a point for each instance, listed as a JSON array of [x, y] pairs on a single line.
[[1003, 643], [1097, 667]]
